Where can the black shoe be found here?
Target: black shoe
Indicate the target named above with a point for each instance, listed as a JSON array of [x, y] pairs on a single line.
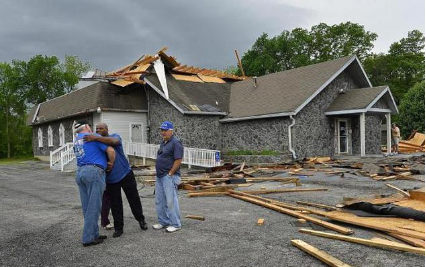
[[143, 225], [94, 242], [117, 233], [102, 237]]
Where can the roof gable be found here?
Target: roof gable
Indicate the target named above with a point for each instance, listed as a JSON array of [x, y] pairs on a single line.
[[287, 92]]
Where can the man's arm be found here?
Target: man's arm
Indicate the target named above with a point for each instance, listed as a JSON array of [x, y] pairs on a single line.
[[110, 141], [111, 158], [175, 166]]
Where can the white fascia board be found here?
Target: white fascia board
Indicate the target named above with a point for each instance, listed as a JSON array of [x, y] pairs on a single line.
[[204, 113], [325, 85], [342, 112], [285, 114], [163, 95], [380, 110], [386, 90]]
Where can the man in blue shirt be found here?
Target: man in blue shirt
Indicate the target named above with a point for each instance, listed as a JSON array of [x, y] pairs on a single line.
[[120, 177], [169, 159], [90, 178]]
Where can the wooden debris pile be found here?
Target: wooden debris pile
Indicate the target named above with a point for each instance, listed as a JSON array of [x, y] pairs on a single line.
[[414, 144]]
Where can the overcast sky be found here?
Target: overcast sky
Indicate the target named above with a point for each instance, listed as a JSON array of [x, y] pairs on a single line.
[[110, 33]]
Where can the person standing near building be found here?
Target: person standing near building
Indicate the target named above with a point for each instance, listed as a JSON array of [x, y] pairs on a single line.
[[169, 159], [120, 177], [396, 136], [92, 162]]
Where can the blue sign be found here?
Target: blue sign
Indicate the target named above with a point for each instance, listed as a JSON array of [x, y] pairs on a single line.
[[217, 156]]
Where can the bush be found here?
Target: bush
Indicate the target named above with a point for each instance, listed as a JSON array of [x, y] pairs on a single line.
[[412, 110]]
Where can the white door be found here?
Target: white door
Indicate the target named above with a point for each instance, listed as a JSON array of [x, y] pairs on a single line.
[[136, 134], [342, 136]]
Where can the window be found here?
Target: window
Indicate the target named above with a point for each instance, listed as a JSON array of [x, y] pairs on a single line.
[[61, 135], [40, 137], [49, 136]]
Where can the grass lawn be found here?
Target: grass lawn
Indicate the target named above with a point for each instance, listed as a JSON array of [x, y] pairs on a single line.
[[5, 161]]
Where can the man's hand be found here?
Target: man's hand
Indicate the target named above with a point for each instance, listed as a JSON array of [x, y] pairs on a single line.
[[109, 166], [90, 137]]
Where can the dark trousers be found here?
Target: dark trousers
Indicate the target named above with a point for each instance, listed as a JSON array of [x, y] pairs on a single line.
[[128, 184], [106, 207]]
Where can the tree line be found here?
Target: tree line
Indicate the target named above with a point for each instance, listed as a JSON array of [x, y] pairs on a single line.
[[24, 84]]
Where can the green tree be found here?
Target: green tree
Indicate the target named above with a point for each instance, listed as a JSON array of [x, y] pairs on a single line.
[[12, 104], [300, 47], [412, 110], [402, 67]]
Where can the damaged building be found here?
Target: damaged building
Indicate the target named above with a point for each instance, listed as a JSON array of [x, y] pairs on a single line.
[[326, 109]]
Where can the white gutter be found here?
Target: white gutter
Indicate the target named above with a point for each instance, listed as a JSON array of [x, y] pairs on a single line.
[[289, 137], [274, 115]]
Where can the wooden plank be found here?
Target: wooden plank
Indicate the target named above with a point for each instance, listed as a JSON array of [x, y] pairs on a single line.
[[208, 79], [328, 225], [319, 254], [317, 205], [188, 78], [195, 217], [409, 240], [255, 192], [367, 242], [122, 82], [399, 190], [260, 221]]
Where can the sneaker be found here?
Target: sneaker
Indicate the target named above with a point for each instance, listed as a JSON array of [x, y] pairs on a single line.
[[108, 227], [143, 225], [158, 226], [172, 229]]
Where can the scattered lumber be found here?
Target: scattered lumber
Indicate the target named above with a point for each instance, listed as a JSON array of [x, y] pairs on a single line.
[[322, 206], [409, 240], [367, 242], [319, 254], [195, 217], [328, 225]]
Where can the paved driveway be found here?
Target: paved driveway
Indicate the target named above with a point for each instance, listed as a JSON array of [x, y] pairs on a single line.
[[41, 225]]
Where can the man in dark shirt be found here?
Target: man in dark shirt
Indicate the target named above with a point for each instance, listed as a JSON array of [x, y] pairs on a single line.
[[169, 159], [90, 178], [120, 177]]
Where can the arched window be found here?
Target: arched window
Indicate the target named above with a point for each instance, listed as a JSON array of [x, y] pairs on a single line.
[[40, 137], [49, 136], [61, 135]]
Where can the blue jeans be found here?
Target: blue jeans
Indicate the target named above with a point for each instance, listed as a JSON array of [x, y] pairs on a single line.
[[166, 200], [91, 184]]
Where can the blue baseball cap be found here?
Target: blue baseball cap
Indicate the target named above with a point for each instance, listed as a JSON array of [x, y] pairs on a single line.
[[167, 125]]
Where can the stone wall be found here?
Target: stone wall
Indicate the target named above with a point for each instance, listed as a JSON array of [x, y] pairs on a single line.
[[314, 131], [381, 103], [373, 134], [67, 123], [256, 135], [199, 131]]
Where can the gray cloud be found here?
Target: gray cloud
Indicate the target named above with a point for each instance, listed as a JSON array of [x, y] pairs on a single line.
[[110, 34]]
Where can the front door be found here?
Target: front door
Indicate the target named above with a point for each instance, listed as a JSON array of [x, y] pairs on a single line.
[[343, 136]]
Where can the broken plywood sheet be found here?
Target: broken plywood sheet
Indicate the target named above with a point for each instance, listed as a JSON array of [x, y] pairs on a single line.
[[209, 79], [418, 139], [410, 203], [122, 83], [392, 225], [188, 78]]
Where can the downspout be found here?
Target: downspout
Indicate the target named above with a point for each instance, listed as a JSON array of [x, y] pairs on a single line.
[[289, 137]]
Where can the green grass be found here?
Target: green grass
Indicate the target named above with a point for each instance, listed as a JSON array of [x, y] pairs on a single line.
[[253, 153], [4, 161]]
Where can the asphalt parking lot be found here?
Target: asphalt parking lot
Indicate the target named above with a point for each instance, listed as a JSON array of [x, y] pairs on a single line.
[[41, 225]]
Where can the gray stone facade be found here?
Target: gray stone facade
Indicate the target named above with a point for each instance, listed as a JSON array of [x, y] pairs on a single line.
[[67, 123], [198, 131], [373, 134], [314, 132], [256, 135]]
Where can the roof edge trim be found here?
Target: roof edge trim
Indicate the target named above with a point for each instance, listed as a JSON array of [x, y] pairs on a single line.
[[273, 115]]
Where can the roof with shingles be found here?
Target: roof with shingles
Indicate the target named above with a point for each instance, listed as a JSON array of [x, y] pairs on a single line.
[[88, 99], [284, 91], [356, 99], [186, 93]]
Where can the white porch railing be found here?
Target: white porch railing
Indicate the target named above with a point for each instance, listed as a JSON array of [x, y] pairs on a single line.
[[191, 156], [56, 155]]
